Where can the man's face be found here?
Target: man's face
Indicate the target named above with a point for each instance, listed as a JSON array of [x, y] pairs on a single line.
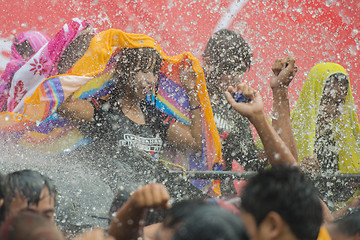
[[230, 79], [250, 225], [45, 207], [254, 231], [144, 83], [334, 96], [222, 78]]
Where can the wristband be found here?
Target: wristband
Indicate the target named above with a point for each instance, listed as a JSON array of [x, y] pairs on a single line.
[[194, 108]]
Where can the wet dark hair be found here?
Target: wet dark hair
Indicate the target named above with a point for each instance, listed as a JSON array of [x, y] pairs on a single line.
[[286, 191], [133, 60], [181, 210], [228, 52], [28, 184], [211, 222], [349, 225]]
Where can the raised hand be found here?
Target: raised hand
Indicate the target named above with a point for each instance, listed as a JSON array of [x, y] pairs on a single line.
[[151, 196], [249, 109], [130, 218], [188, 78], [284, 70]]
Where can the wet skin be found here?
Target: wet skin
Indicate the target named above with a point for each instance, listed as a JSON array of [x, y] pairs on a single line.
[[45, 206]]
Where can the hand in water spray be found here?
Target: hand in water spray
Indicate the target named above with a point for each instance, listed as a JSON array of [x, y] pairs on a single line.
[[251, 104], [239, 97]]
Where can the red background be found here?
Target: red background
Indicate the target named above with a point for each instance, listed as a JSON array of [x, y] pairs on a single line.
[[315, 30]]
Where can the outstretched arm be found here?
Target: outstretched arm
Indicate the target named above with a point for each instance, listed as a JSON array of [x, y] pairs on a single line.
[[275, 148], [179, 134], [129, 220], [284, 71]]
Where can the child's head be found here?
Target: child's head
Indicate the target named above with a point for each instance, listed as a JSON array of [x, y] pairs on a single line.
[[281, 201], [29, 191], [138, 70], [227, 55], [196, 219]]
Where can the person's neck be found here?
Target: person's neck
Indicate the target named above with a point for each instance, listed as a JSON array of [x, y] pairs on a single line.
[[130, 106], [129, 99]]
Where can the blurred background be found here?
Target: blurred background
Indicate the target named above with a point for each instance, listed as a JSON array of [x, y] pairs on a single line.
[[314, 30]]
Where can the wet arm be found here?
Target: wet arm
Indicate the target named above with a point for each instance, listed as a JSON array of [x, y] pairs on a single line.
[[183, 136], [275, 148], [352, 205], [281, 121], [284, 71], [77, 110], [326, 211], [130, 218], [179, 134], [126, 223]]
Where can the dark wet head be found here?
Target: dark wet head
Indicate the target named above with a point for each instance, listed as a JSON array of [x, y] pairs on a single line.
[[286, 191], [181, 210], [226, 53], [138, 70], [29, 226], [211, 222], [134, 60], [197, 219], [28, 190], [175, 216]]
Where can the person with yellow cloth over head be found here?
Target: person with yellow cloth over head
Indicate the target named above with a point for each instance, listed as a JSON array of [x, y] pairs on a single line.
[[326, 128]]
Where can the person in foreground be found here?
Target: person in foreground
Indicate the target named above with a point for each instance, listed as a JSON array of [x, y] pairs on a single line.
[[187, 219], [281, 203], [29, 191]]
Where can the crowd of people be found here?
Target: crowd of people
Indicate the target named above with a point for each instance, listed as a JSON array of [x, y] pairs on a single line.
[[95, 99]]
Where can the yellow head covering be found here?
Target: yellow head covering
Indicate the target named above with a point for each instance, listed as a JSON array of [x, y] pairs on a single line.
[[345, 127]]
